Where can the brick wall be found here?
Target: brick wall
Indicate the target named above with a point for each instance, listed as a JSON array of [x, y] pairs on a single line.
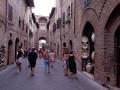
[[97, 14]]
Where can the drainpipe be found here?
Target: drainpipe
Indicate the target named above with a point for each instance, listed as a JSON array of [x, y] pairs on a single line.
[[61, 2], [74, 17], [6, 16]]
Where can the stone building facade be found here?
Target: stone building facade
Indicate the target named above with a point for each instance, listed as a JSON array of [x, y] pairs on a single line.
[[42, 33], [16, 16], [101, 18], [52, 29], [91, 30], [67, 24], [64, 26]]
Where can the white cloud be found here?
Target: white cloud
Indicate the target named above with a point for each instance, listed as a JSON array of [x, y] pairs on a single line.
[[43, 7]]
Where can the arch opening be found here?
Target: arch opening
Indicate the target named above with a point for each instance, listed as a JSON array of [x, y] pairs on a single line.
[[117, 56], [9, 57], [114, 43], [16, 47], [88, 36]]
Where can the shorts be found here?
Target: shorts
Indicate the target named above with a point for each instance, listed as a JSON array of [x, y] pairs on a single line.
[[33, 64], [18, 61], [64, 64]]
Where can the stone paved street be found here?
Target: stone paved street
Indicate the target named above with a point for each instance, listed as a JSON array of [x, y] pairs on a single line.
[[10, 79]]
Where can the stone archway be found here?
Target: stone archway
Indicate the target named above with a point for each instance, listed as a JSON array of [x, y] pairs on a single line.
[[42, 41], [9, 57], [112, 42], [42, 38], [87, 46]]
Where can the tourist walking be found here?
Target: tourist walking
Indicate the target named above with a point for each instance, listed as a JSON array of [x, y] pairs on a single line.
[[72, 65], [52, 58], [40, 53], [46, 57], [32, 57], [19, 58], [65, 60]]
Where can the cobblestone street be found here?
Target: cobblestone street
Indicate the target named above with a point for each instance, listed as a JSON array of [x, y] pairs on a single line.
[[12, 80]]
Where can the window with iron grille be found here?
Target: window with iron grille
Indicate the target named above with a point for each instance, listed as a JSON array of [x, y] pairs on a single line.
[[54, 27], [26, 28], [63, 19], [10, 12], [30, 34], [58, 22], [68, 15], [71, 10], [19, 22], [23, 24]]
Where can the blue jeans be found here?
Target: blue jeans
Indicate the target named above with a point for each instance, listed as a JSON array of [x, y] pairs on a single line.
[[46, 62]]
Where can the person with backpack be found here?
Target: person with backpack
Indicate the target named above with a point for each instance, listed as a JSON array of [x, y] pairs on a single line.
[[32, 57], [52, 58], [72, 65], [65, 61], [19, 59], [46, 57]]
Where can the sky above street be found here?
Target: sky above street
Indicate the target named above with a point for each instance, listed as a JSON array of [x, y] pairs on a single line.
[[43, 7]]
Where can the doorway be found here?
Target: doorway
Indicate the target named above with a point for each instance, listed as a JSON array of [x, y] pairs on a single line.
[[117, 53], [10, 43], [16, 46]]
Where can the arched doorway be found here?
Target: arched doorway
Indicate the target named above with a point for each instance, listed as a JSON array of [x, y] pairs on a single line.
[[64, 45], [70, 45], [88, 46], [117, 55], [42, 41], [9, 57], [112, 47], [16, 46]]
